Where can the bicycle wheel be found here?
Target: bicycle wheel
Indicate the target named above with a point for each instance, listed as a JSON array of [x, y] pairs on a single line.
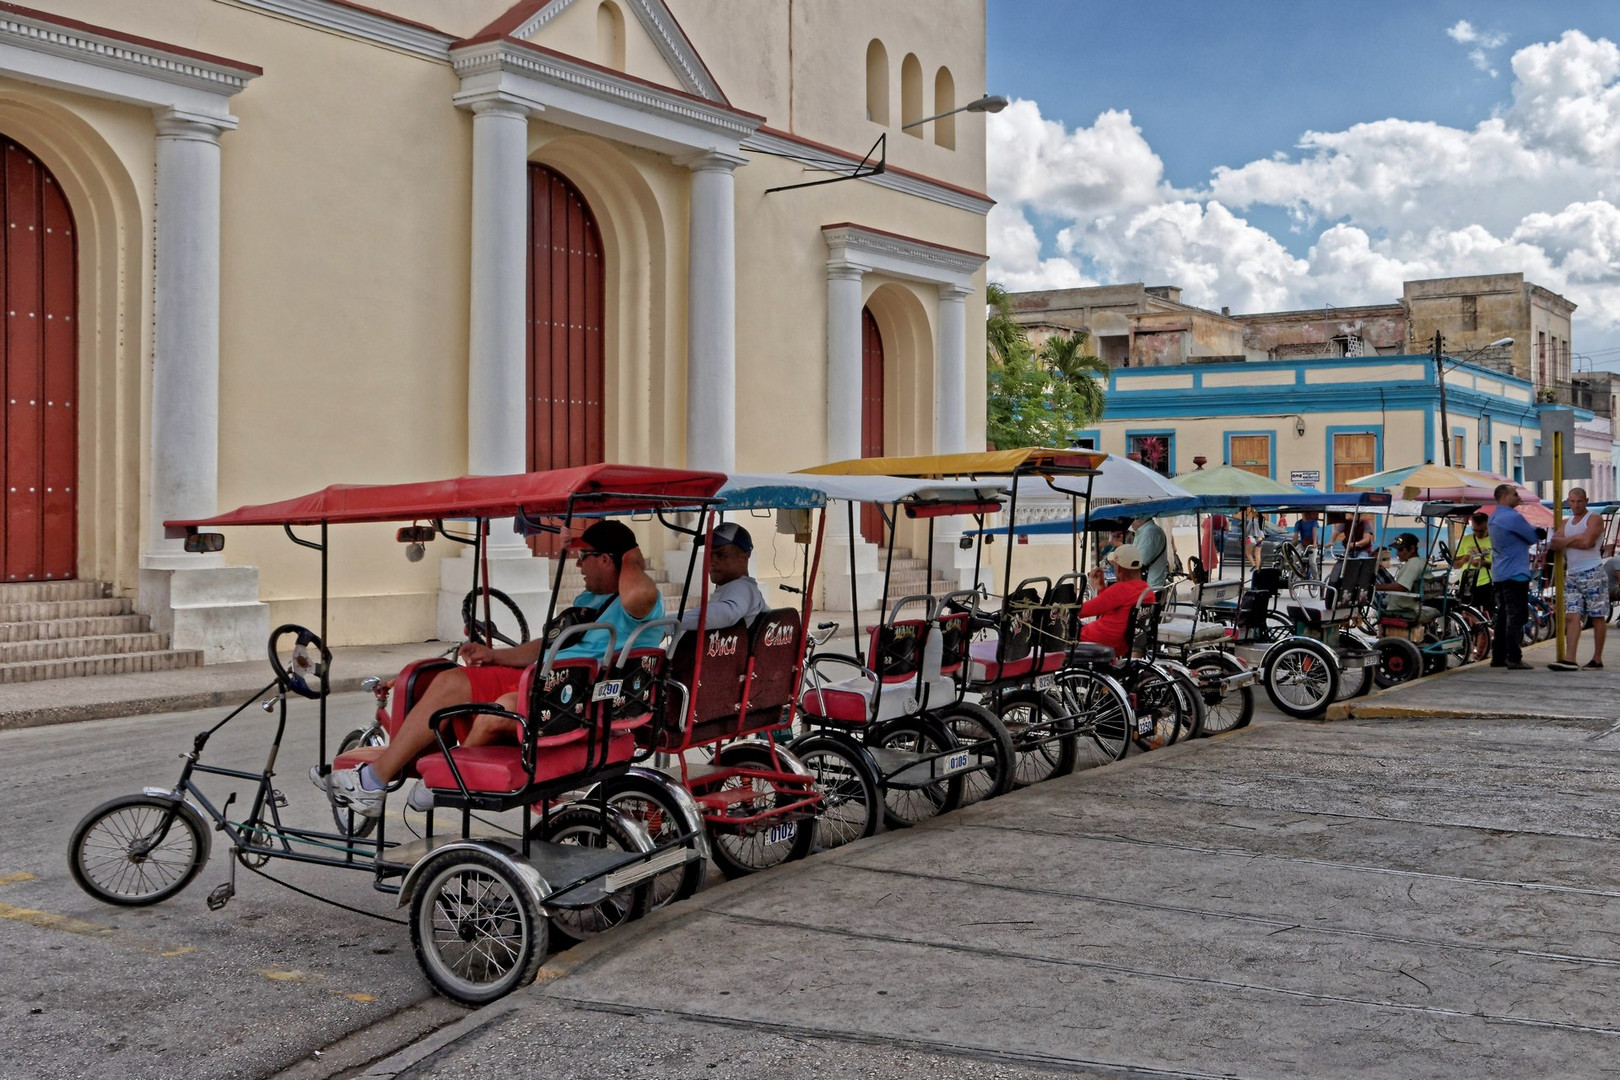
[[1100, 710], [1224, 710], [502, 611], [1042, 734], [138, 849], [1455, 631], [475, 926], [747, 849], [584, 825], [1192, 703], [1479, 632], [911, 803], [980, 732], [851, 793], [1158, 703], [1301, 677], [655, 808], [1398, 661]]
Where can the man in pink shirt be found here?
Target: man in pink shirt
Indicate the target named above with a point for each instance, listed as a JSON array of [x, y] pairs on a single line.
[[1110, 608]]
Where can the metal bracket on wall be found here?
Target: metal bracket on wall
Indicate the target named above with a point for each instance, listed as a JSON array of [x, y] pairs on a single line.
[[863, 168]]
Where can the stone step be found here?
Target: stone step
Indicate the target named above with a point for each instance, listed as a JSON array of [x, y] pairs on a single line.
[[31, 592], [46, 610], [51, 629], [71, 648], [120, 664]]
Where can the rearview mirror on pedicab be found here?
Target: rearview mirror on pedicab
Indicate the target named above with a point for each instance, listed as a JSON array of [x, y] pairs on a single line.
[[204, 543]]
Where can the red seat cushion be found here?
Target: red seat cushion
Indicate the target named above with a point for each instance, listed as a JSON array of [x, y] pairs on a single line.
[[1050, 662], [984, 657], [845, 705], [500, 768]]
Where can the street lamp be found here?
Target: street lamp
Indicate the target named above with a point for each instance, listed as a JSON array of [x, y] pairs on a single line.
[[991, 103], [1440, 376]]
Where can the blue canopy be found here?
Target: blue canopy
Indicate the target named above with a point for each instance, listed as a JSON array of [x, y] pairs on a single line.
[[1271, 504]]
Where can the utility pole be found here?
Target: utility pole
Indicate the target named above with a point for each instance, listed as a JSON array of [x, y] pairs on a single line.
[[1440, 377]]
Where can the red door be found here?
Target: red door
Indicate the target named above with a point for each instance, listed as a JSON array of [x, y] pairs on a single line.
[[871, 415], [39, 373], [565, 327]]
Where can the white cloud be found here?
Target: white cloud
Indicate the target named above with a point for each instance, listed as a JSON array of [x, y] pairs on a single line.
[[1533, 189]]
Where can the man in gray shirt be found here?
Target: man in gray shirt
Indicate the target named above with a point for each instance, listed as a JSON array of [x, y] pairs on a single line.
[[735, 596], [1150, 543]]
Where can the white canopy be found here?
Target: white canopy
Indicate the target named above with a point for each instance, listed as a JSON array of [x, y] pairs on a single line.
[[1119, 479]]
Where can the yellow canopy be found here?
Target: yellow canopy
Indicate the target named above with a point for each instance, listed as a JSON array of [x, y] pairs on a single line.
[[1028, 459]]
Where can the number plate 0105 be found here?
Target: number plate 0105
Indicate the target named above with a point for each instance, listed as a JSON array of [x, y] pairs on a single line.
[[956, 762]]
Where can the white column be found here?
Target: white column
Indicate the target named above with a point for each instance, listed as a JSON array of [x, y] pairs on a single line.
[[496, 379], [844, 360], [950, 371], [197, 600], [711, 319], [185, 353]]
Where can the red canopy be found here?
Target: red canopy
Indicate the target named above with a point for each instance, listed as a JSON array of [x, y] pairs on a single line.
[[1532, 512], [596, 488]]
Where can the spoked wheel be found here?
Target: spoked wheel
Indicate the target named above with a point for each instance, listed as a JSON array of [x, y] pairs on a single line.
[[1301, 677], [138, 849], [1192, 705], [1100, 710], [476, 928], [1042, 734], [1479, 633], [906, 806], [1224, 710], [851, 793], [1398, 661], [1458, 634], [978, 730], [657, 809], [503, 613], [584, 825], [1158, 698], [762, 845], [1353, 682]]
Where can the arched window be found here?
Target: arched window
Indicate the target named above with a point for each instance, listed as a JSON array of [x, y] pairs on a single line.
[[911, 93], [610, 35], [877, 82], [944, 101]]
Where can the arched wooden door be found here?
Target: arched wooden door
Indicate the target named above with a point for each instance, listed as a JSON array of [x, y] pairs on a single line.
[[871, 415], [39, 373], [565, 312]]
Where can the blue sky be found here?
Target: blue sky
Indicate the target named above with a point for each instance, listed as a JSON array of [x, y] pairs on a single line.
[[1163, 143]]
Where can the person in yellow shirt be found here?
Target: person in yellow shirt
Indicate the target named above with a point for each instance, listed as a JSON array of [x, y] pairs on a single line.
[[1473, 556]]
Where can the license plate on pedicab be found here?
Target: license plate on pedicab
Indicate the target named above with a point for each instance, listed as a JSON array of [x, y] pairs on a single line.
[[780, 834], [1045, 682], [607, 691], [957, 762], [1144, 724]]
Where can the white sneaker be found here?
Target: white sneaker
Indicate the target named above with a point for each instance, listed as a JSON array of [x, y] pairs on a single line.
[[421, 798], [345, 789]]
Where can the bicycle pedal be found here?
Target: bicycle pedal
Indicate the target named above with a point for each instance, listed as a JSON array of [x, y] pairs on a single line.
[[220, 896], [278, 799]]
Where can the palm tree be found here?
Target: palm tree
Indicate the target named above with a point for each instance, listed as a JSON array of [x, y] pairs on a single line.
[[1004, 338], [1071, 359]]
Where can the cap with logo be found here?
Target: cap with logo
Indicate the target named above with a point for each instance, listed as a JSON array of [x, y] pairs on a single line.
[[729, 532]]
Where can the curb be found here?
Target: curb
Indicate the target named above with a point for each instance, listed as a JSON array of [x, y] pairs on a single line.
[[17, 719], [1344, 711]]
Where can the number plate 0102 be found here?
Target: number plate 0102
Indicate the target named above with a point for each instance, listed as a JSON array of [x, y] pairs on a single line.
[[778, 834], [956, 762]]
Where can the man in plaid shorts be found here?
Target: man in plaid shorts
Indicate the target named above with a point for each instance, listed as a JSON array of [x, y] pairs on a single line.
[[1586, 583]]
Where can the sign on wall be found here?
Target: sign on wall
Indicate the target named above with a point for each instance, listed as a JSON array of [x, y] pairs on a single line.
[[1305, 477]]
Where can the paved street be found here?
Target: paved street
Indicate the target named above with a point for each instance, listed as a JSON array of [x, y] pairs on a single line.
[[1369, 897]]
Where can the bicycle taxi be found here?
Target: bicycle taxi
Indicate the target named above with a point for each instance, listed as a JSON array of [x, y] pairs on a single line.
[[480, 902]]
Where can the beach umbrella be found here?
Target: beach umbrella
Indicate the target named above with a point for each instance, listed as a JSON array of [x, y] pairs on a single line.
[[1230, 480], [1425, 477]]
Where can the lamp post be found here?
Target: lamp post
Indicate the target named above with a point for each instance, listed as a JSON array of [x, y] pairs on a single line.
[[1440, 377], [990, 103]]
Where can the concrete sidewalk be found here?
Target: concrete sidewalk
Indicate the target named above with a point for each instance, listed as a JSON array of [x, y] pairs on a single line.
[[97, 697], [1353, 899], [1481, 692]]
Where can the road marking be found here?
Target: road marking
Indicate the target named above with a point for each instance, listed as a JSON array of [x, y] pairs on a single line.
[[46, 921], [281, 976], [12, 879], [181, 951], [364, 999]]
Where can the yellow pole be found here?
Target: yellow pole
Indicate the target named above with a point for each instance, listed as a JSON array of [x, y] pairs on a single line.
[[1558, 524]]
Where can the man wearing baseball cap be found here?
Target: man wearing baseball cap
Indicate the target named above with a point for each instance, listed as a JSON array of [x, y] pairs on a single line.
[[618, 591], [1110, 608], [735, 597]]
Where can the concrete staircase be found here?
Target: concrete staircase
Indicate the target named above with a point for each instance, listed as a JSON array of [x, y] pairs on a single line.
[[909, 577], [60, 629]]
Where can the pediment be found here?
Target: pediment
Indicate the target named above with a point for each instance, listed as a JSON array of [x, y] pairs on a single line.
[[656, 49]]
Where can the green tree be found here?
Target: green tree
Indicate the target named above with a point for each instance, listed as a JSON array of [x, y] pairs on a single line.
[[1036, 399]]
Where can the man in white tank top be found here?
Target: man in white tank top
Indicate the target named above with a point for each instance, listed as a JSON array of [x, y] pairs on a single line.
[[1586, 584]]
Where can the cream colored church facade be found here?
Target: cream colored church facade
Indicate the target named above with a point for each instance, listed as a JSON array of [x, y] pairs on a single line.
[[310, 242]]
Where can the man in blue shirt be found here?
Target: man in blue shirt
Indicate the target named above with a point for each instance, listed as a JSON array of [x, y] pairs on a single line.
[[1511, 540]]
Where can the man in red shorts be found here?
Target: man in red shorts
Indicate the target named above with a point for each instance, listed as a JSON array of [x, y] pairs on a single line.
[[618, 591], [1110, 607]]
